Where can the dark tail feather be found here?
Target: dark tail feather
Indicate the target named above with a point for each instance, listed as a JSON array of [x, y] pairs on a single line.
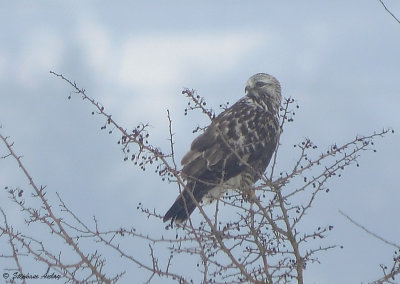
[[181, 209]]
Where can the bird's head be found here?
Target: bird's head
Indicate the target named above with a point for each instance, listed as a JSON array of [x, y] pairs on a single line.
[[264, 89]]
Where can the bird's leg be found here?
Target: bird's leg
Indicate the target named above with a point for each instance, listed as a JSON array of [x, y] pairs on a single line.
[[248, 193]]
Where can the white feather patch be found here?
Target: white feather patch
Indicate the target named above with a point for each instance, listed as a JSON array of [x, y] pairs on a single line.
[[217, 191]]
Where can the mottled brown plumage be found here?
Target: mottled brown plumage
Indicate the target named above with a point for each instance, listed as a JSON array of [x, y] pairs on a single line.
[[235, 149]]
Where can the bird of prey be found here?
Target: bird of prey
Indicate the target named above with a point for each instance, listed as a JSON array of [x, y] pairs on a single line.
[[234, 150]]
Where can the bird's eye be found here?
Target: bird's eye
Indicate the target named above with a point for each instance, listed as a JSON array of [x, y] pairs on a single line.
[[260, 84]]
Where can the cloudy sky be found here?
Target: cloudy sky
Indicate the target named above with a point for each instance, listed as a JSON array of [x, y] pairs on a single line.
[[339, 59]]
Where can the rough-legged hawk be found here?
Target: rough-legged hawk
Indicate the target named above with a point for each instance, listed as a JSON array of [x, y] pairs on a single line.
[[234, 150]]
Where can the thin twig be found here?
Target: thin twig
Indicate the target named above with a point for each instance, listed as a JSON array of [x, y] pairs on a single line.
[[387, 10], [369, 232]]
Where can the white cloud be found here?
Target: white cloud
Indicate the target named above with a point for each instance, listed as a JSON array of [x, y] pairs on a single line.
[[42, 52], [145, 61], [95, 42], [159, 60], [157, 65], [153, 68]]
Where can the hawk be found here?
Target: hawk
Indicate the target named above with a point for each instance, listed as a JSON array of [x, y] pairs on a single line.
[[234, 150]]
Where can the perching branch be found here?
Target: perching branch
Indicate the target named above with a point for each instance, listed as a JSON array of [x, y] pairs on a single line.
[[249, 237]]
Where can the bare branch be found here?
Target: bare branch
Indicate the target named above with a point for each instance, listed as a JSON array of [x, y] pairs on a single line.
[[260, 243], [387, 10], [370, 232]]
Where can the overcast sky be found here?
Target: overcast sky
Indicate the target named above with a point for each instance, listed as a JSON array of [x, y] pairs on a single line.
[[339, 59]]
